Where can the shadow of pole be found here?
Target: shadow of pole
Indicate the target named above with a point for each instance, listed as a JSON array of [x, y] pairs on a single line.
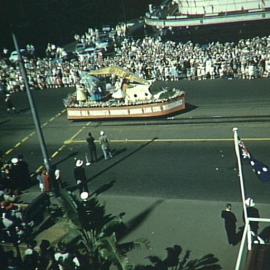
[[73, 154], [74, 187], [121, 159], [136, 221]]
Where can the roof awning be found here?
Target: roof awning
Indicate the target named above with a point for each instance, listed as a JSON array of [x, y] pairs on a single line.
[[118, 71]]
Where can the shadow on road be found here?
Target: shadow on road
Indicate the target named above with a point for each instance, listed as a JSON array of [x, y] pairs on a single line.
[[189, 108], [24, 110], [73, 154], [136, 221], [104, 187], [174, 261], [4, 122], [122, 158]]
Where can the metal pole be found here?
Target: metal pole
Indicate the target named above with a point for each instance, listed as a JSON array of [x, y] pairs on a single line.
[[241, 249], [236, 145], [240, 172], [32, 107]]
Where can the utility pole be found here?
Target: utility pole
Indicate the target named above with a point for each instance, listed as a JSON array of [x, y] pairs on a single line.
[[33, 109]]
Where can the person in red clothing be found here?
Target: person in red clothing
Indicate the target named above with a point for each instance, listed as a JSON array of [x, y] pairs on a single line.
[[47, 181]]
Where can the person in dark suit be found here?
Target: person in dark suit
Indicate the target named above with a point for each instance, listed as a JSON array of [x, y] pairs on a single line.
[[253, 212], [92, 147], [80, 177], [230, 223]]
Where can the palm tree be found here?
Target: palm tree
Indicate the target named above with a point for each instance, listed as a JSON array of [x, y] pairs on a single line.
[[99, 233]]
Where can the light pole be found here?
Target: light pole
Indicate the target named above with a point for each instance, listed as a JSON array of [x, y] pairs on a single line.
[[33, 108]]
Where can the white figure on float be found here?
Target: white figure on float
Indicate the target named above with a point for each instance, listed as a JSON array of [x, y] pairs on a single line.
[[80, 94]]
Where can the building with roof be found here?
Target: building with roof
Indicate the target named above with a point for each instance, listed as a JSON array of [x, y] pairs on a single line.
[[189, 17]]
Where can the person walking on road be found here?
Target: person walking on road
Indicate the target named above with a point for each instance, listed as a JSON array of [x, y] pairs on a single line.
[[105, 145], [92, 147], [230, 223], [80, 177]]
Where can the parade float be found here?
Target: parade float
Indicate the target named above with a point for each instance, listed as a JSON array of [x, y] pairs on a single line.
[[114, 93]]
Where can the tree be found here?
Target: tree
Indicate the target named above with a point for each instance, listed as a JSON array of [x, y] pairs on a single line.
[[99, 233]]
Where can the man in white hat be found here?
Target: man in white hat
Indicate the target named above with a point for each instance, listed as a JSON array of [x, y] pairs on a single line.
[[84, 196], [80, 177], [252, 211]]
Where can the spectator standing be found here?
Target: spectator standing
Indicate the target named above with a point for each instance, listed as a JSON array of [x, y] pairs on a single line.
[[105, 145], [46, 256], [80, 177], [40, 179], [253, 212], [24, 169], [230, 223], [92, 147], [9, 104], [47, 181], [15, 175]]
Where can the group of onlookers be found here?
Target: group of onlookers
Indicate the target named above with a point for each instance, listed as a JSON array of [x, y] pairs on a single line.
[[151, 58], [14, 178], [43, 256]]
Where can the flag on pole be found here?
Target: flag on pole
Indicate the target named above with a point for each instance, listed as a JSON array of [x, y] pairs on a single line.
[[261, 170]]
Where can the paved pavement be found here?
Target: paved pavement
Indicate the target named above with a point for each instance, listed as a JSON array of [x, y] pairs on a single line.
[[194, 225]]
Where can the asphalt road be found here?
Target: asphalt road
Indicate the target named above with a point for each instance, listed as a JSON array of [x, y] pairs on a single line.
[[188, 156]]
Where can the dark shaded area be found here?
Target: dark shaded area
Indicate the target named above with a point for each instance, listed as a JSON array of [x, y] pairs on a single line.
[[26, 109], [173, 260], [227, 32], [3, 122], [104, 187], [73, 154], [258, 258], [135, 222], [265, 234], [43, 21], [116, 152]]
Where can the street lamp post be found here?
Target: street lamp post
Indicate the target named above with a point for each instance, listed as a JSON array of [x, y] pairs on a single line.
[[33, 108]]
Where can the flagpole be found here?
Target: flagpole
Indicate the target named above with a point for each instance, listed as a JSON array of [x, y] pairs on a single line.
[[236, 146], [240, 172]]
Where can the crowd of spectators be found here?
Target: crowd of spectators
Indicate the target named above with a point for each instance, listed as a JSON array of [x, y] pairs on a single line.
[[150, 58], [18, 226], [155, 59], [42, 257], [14, 178]]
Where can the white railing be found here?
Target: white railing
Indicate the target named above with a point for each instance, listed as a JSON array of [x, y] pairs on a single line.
[[193, 7], [246, 241]]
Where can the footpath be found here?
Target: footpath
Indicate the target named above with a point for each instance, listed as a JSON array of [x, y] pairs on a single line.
[[196, 226]]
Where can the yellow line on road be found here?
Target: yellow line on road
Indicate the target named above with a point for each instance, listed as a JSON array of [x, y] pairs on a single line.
[[17, 144], [172, 140], [55, 154], [75, 135], [25, 139], [32, 133], [8, 151]]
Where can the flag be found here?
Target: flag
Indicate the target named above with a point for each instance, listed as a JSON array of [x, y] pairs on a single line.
[[259, 168]]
